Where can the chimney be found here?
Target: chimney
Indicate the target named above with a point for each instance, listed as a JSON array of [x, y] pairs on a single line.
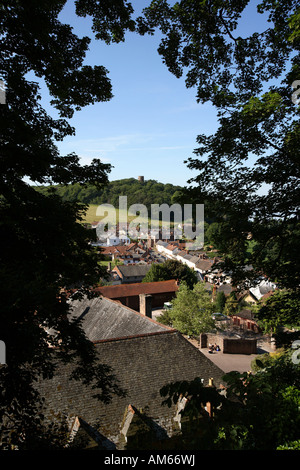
[[146, 305]]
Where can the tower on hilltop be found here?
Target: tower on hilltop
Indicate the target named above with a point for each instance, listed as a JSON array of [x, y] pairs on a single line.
[[141, 179]]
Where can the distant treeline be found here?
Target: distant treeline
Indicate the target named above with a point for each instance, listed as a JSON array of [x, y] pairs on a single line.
[[147, 192]]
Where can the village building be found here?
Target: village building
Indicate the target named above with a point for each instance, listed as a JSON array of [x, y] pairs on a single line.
[[160, 246], [180, 254], [203, 266], [226, 288], [143, 356], [131, 273], [170, 250], [128, 294], [264, 287], [246, 297], [134, 253], [118, 251], [245, 320]]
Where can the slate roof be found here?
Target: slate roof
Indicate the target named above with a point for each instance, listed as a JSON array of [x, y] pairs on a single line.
[[226, 288], [161, 243], [204, 264], [142, 366], [135, 270], [102, 319], [259, 291], [142, 356], [181, 253], [245, 313]]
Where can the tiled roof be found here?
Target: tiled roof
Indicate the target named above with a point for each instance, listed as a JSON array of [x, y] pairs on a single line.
[[161, 243], [204, 264], [267, 295], [119, 249], [260, 291], [125, 290], [171, 247], [103, 319], [245, 313], [133, 270], [226, 288], [181, 253], [141, 366]]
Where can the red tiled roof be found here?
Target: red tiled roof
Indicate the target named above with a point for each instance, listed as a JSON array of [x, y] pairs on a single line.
[[121, 249], [171, 247], [267, 295], [127, 290]]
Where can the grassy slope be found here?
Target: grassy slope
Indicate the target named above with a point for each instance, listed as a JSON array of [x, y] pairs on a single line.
[[92, 217]]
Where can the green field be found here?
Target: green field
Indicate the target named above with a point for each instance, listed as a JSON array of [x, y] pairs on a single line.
[[91, 216]]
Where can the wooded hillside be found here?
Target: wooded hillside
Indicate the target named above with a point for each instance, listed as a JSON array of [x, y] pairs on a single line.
[[147, 193]]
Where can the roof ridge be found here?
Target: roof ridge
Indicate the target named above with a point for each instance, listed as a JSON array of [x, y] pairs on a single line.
[[140, 335], [169, 281], [137, 313]]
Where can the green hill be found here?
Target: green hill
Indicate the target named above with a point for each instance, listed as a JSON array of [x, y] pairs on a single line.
[[147, 193]]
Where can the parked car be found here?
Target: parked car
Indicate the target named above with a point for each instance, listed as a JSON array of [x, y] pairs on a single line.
[[167, 305], [219, 316]]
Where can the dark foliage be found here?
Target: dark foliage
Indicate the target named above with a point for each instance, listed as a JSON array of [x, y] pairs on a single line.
[[44, 248]]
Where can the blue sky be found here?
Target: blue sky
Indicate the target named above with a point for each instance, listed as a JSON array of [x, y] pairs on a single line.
[[150, 126]]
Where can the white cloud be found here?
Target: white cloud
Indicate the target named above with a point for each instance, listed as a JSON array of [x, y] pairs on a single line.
[[104, 144]]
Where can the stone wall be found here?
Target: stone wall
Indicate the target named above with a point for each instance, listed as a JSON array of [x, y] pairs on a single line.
[[229, 344]]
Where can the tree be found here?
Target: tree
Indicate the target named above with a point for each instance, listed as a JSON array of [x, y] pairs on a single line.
[[279, 310], [198, 432], [90, 194], [46, 249], [248, 170], [192, 309], [212, 234], [267, 415], [258, 412], [156, 273], [171, 269], [220, 301], [231, 305]]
